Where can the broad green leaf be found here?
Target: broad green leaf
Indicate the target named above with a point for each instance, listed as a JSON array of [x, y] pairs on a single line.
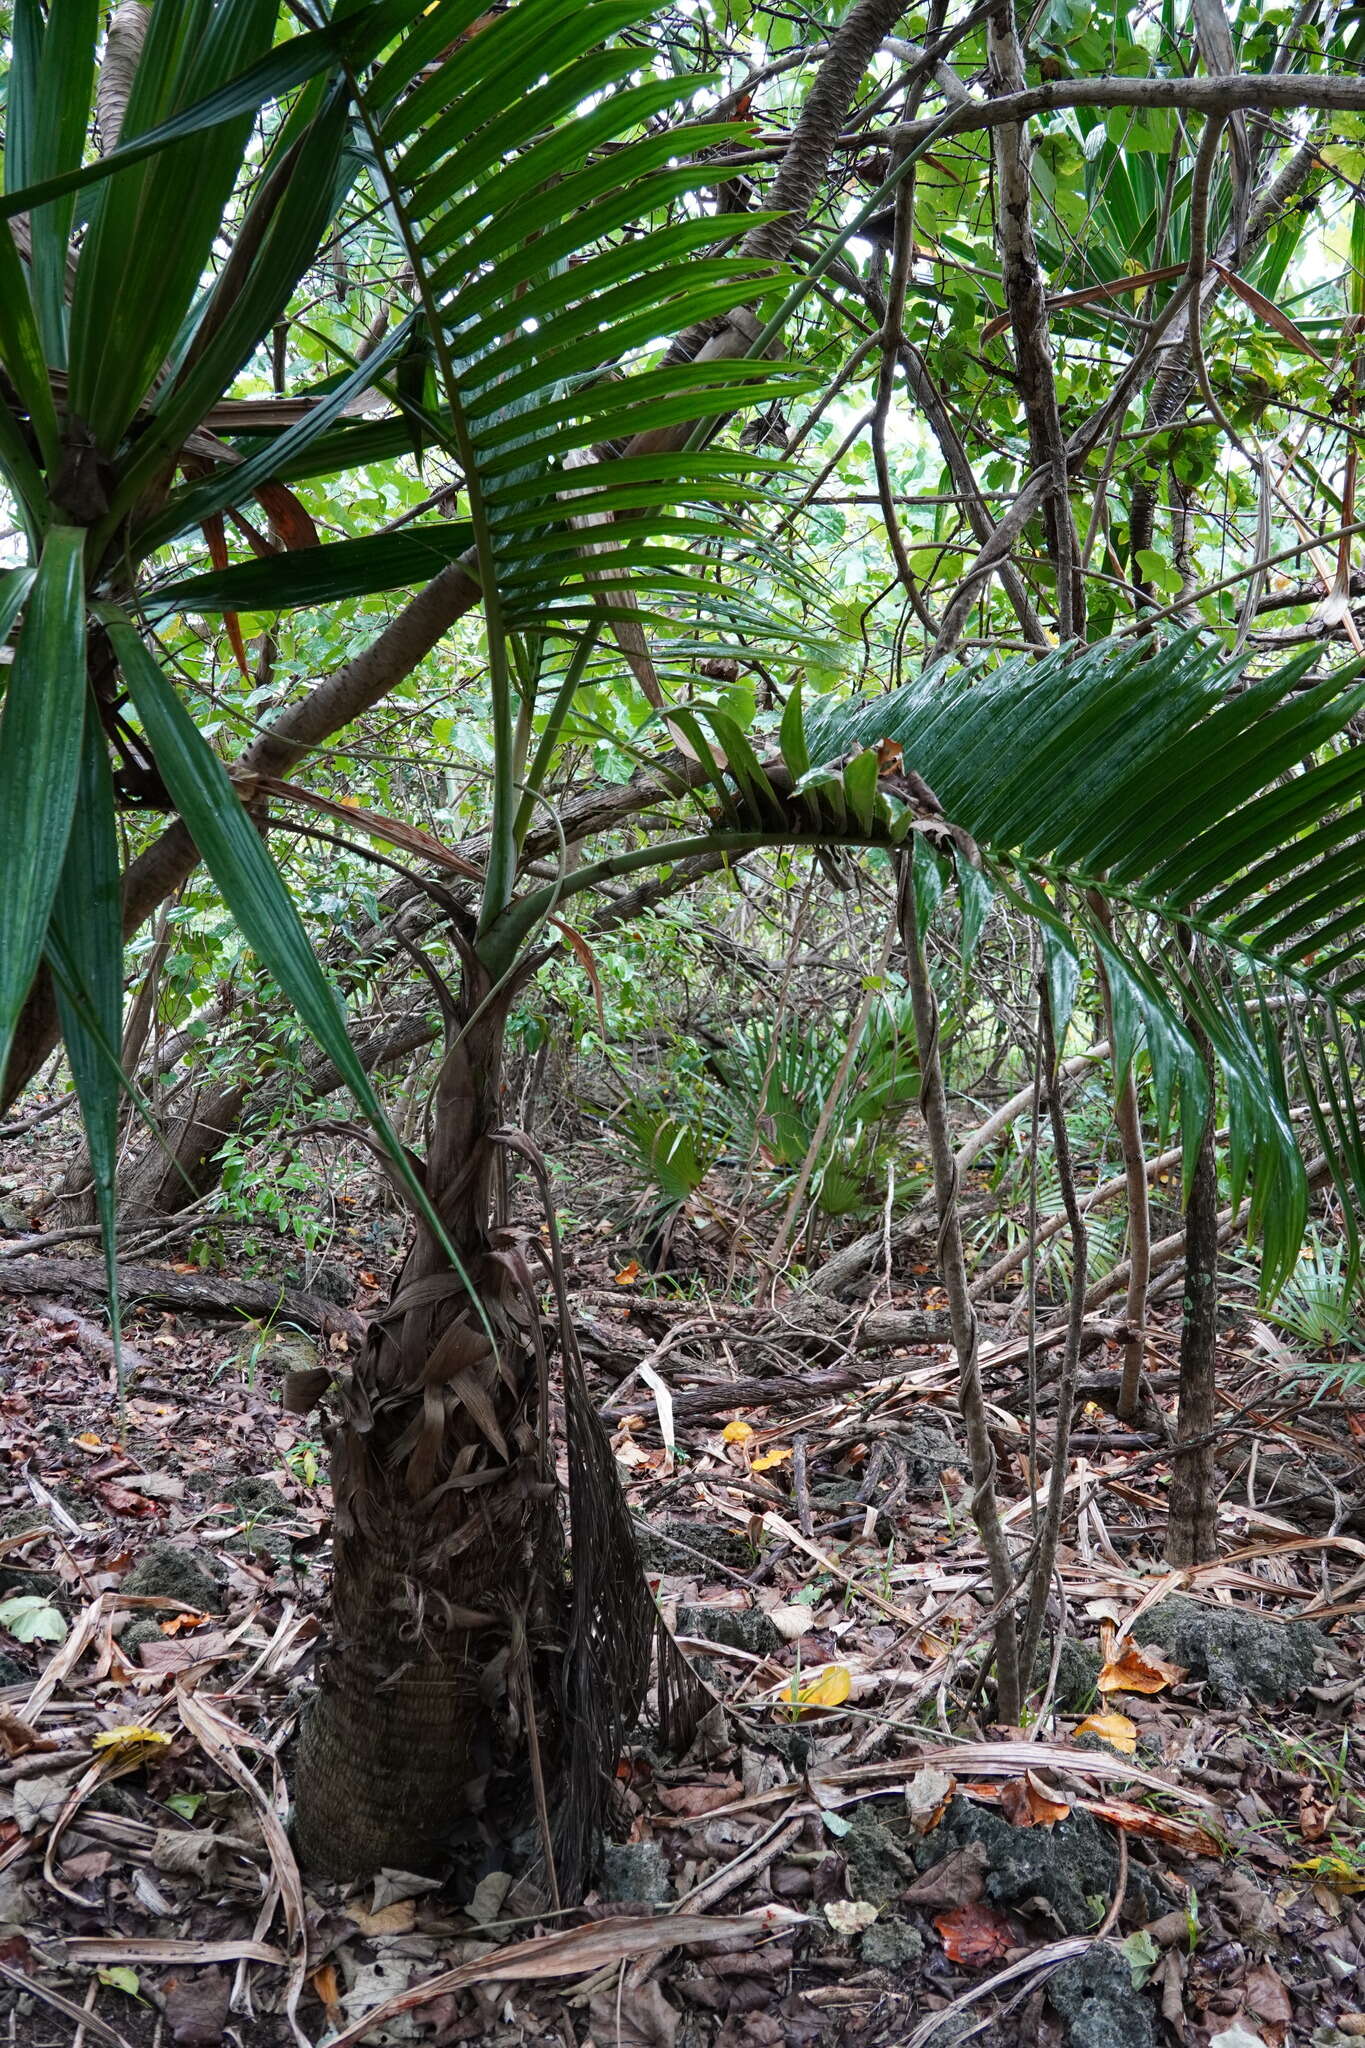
[[291, 64], [48, 107], [40, 753], [85, 950], [976, 896], [21, 350], [295, 197], [860, 788], [927, 870], [31, 1618], [339, 570], [791, 736], [152, 228]]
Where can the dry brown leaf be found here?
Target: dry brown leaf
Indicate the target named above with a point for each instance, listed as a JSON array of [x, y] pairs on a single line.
[[107, 1948], [1186, 1835], [217, 1737], [1267, 1999], [17, 1738], [959, 1880], [634, 2016], [927, 1796], [572, 1953], [1029, 1802], [1315, 1816], [398, 1918], [1134, 1667], [687, 1801], [975, 1935], [196, 2008]]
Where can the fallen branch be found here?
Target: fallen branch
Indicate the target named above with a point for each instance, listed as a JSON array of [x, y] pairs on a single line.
[[198, 1294]]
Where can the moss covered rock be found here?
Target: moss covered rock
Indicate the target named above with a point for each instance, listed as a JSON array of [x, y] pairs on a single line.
[[1072, 1867], [1236, 1652], [174, 1574], [1095, 1996], [737, 1628]]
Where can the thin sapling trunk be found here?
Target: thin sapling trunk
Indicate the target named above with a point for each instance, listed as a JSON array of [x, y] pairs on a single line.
[[953, 1269]]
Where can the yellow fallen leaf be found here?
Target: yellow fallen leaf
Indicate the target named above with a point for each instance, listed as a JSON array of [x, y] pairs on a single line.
[[1340, 1872], [1116, 1729], [129, 1741], [830, 1689], [737, 1432], [88, 1441], [778, 1455]]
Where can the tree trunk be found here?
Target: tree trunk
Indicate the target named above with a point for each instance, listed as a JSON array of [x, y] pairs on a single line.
[[440, 1489], [1192, 1529], [473, 1691]]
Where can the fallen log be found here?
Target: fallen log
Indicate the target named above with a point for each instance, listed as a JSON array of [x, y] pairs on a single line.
[[198, 1294]]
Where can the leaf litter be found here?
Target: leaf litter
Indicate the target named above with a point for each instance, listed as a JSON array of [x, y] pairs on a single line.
[[147, 1879]]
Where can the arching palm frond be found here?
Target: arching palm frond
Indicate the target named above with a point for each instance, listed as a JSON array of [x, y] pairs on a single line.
[[1187, 796]]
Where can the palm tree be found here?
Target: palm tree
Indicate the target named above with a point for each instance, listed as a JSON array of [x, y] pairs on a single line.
[[546, 274], [469, 1655]]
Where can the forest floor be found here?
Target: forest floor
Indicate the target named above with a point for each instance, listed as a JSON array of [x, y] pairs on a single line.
[[1172, 1851]]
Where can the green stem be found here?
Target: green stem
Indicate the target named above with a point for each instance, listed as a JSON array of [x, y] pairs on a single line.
[[554, 725]]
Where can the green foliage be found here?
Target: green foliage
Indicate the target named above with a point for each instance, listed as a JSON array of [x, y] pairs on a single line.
[[31, 1618], [1321, 1305]]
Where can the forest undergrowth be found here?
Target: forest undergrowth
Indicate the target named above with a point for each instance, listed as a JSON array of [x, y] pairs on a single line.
[[1177, 1829]]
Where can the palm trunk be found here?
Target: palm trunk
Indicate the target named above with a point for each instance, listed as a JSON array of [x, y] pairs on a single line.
[[444, 1523], [468, 1670]]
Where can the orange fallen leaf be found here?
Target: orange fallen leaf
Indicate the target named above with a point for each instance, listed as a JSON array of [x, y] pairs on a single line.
[[88, 1441], [975, 1935], [628, 1274], [1029, 1802], [1159, 1827], [367, 1279], [324, 1982], [1115, 1729], [178, 1622], [778, 1455], [1135, 1667]]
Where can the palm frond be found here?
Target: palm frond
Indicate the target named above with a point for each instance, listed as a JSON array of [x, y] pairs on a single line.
[[552, 271], [1159, 778]]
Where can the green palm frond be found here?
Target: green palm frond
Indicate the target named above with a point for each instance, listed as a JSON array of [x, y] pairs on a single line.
[[552, 271], [1187, 796]]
